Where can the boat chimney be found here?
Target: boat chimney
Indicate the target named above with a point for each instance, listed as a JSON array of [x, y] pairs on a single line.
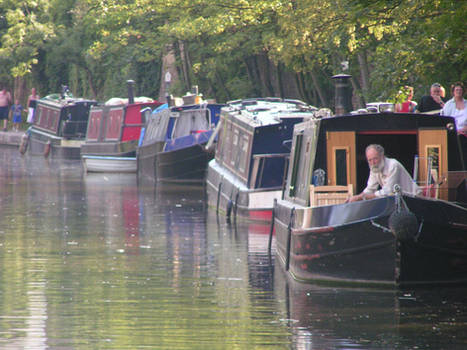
[[343, 94], [131, 94]]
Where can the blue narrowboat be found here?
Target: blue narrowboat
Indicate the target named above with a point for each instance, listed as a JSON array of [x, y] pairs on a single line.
[[172, 146], [251, 156]]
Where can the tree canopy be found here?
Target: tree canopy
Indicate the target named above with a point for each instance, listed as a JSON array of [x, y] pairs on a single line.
[[234, 48]]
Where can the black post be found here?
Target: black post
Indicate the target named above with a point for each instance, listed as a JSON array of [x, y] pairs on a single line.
[[131, 94], [343, 97]]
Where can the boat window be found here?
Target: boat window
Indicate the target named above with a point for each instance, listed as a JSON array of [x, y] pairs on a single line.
[[234, 158], [296, 163], [243, 154], [219, 154], [341, 166], [433, 152], [227, 146]]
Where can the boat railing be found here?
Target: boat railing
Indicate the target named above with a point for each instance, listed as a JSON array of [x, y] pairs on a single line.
[[260, 163]]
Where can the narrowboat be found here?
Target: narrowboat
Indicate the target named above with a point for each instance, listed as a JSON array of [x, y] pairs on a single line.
[[397, 241], [247, 172], [172, 146], [112, 136], [59, 126]]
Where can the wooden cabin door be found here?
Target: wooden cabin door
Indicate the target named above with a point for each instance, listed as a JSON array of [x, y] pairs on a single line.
[[341, 158], [433, 143]]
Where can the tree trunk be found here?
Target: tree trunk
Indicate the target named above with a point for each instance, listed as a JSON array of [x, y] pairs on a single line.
[[322, 96], [252, 76], [186, 76], [19, 91], [280, 82], [220, 81], [357, 98], [169, 74], [364, 73], [266, 76]]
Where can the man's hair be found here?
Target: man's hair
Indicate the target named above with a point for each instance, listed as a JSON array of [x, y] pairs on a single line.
[[376, 147], [436, 85]]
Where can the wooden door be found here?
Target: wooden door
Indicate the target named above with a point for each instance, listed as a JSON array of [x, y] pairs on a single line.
[[341, 158], [433, 142]]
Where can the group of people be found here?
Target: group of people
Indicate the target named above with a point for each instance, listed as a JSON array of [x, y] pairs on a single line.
[[16, 108], [436, 102]]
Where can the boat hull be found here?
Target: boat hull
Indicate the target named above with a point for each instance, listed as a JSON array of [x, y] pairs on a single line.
[[352, 243], [183, 165], [187, 164], [107, 164], [53, 146], [231, 197]]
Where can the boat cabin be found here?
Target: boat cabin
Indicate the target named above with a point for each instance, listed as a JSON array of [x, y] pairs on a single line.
[[115, 129], [252, 139], [328, 155], [62, 116], [177, 126]]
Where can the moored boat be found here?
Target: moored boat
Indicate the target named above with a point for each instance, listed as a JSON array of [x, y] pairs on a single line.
[[395, 241], [59, 126], [247, 172], [172, 147], [113, 133]]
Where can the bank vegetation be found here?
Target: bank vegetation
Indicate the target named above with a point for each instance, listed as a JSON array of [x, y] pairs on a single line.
[[232, 48]]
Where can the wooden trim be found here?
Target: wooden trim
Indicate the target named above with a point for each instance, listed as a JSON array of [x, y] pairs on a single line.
[[341, 140]]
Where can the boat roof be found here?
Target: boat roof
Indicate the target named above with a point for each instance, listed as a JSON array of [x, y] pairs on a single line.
[[267, 111], [67, 100], [388, 121]]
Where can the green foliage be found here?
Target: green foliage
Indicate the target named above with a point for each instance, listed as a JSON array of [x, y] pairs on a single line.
[[233, 49]]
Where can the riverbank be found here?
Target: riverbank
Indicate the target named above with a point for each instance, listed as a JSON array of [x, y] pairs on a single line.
[[11, 138]]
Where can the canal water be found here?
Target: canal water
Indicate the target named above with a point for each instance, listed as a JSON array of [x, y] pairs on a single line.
[[100, 261]]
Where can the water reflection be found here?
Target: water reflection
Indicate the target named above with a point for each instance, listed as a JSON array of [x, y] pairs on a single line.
[[100, 261], [324, 317]]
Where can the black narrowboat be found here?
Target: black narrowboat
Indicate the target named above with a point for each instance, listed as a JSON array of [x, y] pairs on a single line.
[[59, 127], [396, 241]]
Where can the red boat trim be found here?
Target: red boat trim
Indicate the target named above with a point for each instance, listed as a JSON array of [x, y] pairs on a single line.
[[389, 132], [260, 215]]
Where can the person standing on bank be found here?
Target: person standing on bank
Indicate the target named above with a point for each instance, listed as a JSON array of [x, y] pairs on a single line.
[[16, 111], [433, 102], [384, 174], [5, 100], [31, 104]]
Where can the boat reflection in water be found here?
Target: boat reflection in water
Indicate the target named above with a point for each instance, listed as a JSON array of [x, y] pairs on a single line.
[[113, 205], [339, 318]]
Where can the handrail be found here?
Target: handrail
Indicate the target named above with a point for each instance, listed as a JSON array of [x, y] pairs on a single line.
[[270, 155]]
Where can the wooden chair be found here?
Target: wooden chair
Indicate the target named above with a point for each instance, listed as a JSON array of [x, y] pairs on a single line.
[[328, 195]]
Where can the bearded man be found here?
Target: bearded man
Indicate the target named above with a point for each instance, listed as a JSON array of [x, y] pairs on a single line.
[[384, 174]]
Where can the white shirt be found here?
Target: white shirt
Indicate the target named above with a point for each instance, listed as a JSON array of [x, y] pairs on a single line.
[[460, 115], [382, 183]]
